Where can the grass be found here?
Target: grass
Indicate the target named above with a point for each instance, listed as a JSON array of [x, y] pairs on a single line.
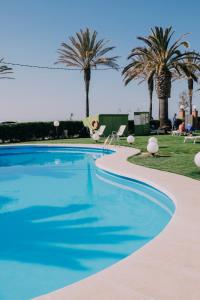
[[174, 155]]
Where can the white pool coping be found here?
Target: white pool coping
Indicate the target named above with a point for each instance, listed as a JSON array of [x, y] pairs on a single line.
[[168, 267]]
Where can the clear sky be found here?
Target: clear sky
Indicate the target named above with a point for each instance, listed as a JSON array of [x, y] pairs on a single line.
[[32, 30]]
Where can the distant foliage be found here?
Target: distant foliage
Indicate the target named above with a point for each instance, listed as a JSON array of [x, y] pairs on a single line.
[[21, 132], [131, 127], [154, 124], [5, 71]]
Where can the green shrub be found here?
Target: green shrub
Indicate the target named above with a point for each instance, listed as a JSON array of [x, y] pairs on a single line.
[[131, 127], [154, 124], [20, 132]]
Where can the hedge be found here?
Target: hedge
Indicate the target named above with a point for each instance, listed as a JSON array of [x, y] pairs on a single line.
[[155, 124], [20, 132], [131, 126]]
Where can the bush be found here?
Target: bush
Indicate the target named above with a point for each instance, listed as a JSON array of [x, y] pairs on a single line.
[[131, 127], [198, 123], [21, 132], [154, 124]]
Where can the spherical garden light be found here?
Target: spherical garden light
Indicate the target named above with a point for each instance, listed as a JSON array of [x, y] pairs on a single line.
[[96, 136], [197, 159], [130, 139], [153, 139], [152, 148], [56, 125]]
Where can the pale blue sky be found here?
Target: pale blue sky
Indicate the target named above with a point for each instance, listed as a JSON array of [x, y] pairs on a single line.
[[32, 30]]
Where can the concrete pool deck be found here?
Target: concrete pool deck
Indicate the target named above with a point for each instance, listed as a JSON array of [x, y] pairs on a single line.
[[166, 268]]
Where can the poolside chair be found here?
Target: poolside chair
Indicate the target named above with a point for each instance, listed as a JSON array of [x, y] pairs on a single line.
[[91, 132], [175, 132], [192, 138], [178, 132], [120, 131], [101, 130], [115, 136]]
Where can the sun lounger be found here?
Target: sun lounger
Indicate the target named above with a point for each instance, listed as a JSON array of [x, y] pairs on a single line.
[[176, 132], [120, 131], [101, 130], [192, 138], [115, 136]]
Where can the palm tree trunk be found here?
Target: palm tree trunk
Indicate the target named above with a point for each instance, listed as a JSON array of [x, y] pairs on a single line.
[[163, 111], [150, 103], [190, 92], [87, 75], [150, 88], [163, 89]]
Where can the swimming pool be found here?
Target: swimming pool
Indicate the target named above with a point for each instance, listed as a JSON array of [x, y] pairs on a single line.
[[62, 219]]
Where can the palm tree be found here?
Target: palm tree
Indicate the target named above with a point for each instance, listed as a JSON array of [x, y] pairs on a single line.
[[139, 69], [191, 74], [164, 57], [4, 70], [86, 52]]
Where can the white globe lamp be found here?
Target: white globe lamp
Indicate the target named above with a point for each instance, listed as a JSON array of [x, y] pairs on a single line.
[[56, 123], [130, 139], [96, 137], [153, 139], [197, 159], [152, 148]]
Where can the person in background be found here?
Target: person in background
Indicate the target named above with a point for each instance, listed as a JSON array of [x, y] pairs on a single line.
[[174, 121], [189, 129], [181, 127]]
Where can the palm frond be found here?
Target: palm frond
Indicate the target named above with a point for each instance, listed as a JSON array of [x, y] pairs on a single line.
[[86, 52], [5, 70]]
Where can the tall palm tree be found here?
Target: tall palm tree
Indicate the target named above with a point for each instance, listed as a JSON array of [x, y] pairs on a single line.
[[164, 57], [86, 52], [4, 70], [192, 74], [139, 69]]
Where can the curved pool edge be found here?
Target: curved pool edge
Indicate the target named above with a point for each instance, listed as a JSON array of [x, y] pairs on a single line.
[[166, 268]]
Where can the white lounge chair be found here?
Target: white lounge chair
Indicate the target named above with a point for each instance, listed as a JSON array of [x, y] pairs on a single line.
[[91, 132], [178, 132], [175, 132], [115, 136], [101, 130], [120, 131], [192, 138]]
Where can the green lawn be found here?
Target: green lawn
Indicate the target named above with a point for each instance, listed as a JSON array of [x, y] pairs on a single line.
[[174, 156]]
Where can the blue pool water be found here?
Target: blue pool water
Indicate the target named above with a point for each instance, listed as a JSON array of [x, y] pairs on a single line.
[[62, 219]]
